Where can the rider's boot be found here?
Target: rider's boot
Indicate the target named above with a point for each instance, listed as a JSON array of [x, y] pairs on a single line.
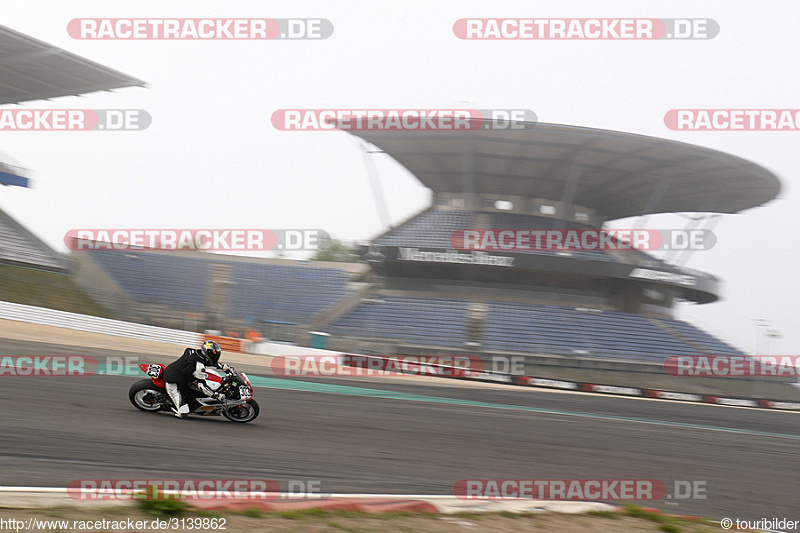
[[183, 409]]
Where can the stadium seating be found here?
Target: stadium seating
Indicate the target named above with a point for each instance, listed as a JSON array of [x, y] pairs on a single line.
[[568, 331], [257, 292], [518, 221], [48, 289], [286, 293], [18, 246], [698, 337], [530, 328], [414, 320], [431, 229], [174, 281]]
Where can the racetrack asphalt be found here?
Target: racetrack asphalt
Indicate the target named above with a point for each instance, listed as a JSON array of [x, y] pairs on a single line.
[[398, 436]]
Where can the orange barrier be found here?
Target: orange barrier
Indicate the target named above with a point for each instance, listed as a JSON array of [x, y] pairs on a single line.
[[228, 344]]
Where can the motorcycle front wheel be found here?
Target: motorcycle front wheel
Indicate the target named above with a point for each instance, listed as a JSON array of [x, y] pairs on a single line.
[[244, 413]]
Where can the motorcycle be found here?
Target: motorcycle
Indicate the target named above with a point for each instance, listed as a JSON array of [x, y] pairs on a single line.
[[238, 404]]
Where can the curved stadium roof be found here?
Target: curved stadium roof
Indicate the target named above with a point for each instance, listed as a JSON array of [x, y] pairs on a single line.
[[34, 70], [617, 174]]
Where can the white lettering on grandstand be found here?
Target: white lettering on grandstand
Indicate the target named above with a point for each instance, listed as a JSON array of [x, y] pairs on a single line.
[[472, 258], [667, 395], [553, 384], [668, 277], [488, 376], [785, 405], [611, 389], [737, 402]]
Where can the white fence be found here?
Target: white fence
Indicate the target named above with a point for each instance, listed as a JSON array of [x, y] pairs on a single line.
[[93, 324], [276, 349]]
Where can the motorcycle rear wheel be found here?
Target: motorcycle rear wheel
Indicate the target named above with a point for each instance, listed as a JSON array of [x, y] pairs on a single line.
[[144, 396]]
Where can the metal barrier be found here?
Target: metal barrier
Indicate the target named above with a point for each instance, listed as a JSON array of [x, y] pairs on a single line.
[[91, 324]]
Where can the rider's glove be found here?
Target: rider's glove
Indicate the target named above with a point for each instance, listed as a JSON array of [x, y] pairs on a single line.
[[226, 368]]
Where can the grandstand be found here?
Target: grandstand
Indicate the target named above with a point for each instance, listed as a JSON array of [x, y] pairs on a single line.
[[290, 293], [589, 332], [414, 293], [30, 271], [416, 320], [615, 305], [35, 70], [225, 292], [175, 282], [572, 314], [11, 174], [20, 247], [434, 227]]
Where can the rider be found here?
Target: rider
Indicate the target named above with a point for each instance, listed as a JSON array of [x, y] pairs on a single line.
[[191, 365]]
